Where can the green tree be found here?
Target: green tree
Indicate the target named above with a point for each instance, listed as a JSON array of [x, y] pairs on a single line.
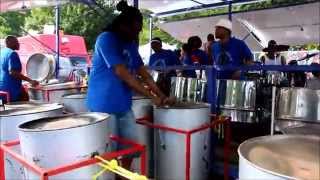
[[77, 19], [156, 31], [81, 20], [10, 23], [39, 17]]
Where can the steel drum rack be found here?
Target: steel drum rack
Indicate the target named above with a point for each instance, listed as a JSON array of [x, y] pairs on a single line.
[[46, 173], [215, 121], [213, 70]]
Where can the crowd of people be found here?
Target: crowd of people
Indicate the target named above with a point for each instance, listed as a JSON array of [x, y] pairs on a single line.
[[222, 48], [228, 50]]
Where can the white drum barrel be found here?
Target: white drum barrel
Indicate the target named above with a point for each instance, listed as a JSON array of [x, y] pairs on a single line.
[[280, 157], [170, 147], [75, 103], [55, 95], [11, 117], [56, 141], [142, 107]]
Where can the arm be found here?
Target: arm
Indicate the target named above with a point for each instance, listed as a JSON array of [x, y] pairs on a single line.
[[18, 75], [142, 71], [209, 52], [247, 54], [263, 59], [283, 60], [205, 58], [122, 72], [247, 59], [15, 70]]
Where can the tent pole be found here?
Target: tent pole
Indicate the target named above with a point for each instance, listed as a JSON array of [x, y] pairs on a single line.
[[136, 3], [150, 32], [230, 10], [57, 38]]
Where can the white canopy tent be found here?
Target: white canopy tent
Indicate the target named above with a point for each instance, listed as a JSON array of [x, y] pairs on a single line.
[[158, 7], [294, 25], [161, 8], [16, 5], [288, 25]]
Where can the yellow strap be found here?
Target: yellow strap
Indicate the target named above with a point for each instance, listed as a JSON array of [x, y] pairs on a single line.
[[95, 177], [115, 168]]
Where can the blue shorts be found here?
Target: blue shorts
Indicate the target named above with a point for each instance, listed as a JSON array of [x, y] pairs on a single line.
[[124, 126]]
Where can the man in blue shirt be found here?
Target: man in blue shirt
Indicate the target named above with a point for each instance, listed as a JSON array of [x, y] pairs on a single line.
[[116, 61], [163, 58], [10, 71], [229, 50]]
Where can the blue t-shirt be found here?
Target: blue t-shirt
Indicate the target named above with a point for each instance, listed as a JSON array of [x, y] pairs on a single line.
[[106, 91], [164, 58], [197, 57], [9, 60], [186, 61], [235, 52]]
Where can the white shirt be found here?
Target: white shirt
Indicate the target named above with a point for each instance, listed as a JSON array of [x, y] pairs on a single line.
[[275, 61]]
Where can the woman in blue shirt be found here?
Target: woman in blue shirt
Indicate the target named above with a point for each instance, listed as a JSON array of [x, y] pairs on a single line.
[[116, 61], [198, 56], [195, 56]]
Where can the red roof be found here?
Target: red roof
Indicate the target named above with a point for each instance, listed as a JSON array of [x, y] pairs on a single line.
[[45, 43]]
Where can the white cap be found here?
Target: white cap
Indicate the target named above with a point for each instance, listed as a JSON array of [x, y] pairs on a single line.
[[225, 23]]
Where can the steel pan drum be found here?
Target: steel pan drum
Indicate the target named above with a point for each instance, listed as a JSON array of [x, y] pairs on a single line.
[[142, 107], [298, 127], [40, 66], [188, 89], [299, 104], [170, 148], [280, 157], [75, 103], [11, 117], [56, 141], [240, 116], [238, 95], [55, 95]]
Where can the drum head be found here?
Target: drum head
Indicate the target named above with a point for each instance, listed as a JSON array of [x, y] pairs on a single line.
[[39, 67]]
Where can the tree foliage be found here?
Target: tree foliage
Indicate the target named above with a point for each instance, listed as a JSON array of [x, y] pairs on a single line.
[[156, 32], [77, 19], [10, 23], [81, 20], [38, 18]]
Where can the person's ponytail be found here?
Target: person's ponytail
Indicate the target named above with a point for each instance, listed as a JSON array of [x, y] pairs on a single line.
[[128, 15]]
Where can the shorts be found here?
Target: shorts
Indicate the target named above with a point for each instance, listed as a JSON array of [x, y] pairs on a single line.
[[124, 126]]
